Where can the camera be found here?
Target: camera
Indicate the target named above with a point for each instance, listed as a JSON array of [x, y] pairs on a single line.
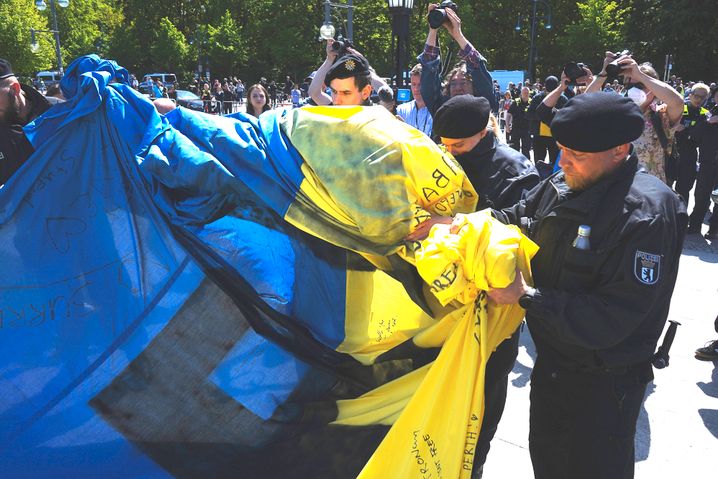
[[574, 71], [437, 16], [340, 46], [613, 69]]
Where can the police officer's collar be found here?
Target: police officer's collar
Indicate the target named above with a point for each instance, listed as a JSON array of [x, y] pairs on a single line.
[[38, 103], [488, 143]]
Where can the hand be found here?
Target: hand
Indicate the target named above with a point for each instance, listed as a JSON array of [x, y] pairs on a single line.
[[713, 120], [511, 293], [422, 231], [331, 53], [629, 69], [428, 9], [563, 85], [453, 25], [585, 79], [680, 127]]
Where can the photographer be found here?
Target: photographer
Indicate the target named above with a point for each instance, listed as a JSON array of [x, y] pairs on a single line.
[[660, 104], [348, 74], [469, 76]]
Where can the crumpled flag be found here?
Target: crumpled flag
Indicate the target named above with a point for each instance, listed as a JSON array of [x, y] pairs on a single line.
[[434, 407]]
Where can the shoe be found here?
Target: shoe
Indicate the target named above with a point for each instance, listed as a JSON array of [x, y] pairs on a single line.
[[709, 352], [711, 235]]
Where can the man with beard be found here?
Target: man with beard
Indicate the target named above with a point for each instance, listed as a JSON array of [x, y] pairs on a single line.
[[600, 298], [501, 176], [19, 105]]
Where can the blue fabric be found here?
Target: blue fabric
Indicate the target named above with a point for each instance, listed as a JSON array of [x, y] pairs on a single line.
[[93, 268]]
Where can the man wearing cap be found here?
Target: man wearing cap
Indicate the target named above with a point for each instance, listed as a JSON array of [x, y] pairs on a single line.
[[501, 176], [349, 77], [19, 105], [595, 313]]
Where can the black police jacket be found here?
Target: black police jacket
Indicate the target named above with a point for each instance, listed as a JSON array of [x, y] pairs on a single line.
[[519, 114], [499, 174], [604, 307]]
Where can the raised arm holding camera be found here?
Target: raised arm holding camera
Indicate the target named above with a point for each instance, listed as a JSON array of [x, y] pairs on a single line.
[[661, 105], [471, 76], [347, 73]]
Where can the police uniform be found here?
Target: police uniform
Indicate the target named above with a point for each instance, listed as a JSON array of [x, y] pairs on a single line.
[[688, 141], [596, 315], [15, 149], [520, 132], [501, 176], [543, 141], [707, 179]]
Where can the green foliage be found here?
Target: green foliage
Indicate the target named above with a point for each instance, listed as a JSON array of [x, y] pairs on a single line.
[[86, 26], [226, 50], [600, 27], [170, 50], [273, 38], [18, 17]]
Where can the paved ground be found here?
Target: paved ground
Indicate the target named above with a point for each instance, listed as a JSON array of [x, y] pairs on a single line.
[[678, 427]]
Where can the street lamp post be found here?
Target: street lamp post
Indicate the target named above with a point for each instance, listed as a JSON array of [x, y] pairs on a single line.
[[400, 12], [41, 5], [327, 30], [532, 47]]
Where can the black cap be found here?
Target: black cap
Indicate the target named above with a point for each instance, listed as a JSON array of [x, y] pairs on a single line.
[[5, 69], [550, 83], [593, 122], [347, 66], [462, 116]]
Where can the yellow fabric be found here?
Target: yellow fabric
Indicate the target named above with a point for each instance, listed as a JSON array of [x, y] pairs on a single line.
[[433, 406], [370, 179], [544, 129]]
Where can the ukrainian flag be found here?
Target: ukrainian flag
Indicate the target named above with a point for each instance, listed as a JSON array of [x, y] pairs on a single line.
[[196, 296]]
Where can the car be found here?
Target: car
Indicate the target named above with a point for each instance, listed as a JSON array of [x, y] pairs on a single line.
[[167, 79], [46, 79], [191, 101]]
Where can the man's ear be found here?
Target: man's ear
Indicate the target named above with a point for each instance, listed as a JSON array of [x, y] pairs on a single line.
[[366, 92], [621, 152]]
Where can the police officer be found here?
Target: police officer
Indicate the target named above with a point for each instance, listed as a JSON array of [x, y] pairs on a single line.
[[595, 314], [543, 141], [519, 125], [19, 105], [688, 138], [501, 176]]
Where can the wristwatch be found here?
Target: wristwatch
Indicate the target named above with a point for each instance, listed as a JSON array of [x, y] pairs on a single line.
[[527, 298]]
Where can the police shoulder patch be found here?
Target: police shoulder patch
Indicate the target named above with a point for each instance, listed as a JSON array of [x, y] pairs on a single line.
[[647, 267]]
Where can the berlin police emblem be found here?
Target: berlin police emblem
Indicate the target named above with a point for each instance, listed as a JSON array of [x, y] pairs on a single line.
[[647, 267]]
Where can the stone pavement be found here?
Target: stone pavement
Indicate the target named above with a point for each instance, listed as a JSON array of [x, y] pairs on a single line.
[[677, 433]]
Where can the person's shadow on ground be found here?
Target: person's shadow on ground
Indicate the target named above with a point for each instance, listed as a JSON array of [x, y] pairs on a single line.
[[524, 370], [643, 428], [710, 416]]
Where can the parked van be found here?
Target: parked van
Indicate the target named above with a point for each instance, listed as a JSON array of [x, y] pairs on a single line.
[[47, 78]]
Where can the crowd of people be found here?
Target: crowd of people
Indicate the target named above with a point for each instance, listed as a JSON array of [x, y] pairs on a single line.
[[618, 151]]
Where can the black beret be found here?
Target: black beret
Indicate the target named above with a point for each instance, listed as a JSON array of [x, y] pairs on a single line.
[[5, 69], [593, 122], [347, 66], [462, 116], [550, 83]]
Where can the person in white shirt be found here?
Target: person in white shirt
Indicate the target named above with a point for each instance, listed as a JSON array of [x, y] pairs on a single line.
[[415, 112]]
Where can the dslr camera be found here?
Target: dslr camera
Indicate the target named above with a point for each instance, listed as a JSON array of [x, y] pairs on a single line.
[[613, 69], [574, 71], [437, 16], [340, 46]]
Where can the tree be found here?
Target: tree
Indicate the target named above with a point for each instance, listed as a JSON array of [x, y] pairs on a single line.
[[18, 17], [600, 26], [170, 50], [227, 51], [87, 26]]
